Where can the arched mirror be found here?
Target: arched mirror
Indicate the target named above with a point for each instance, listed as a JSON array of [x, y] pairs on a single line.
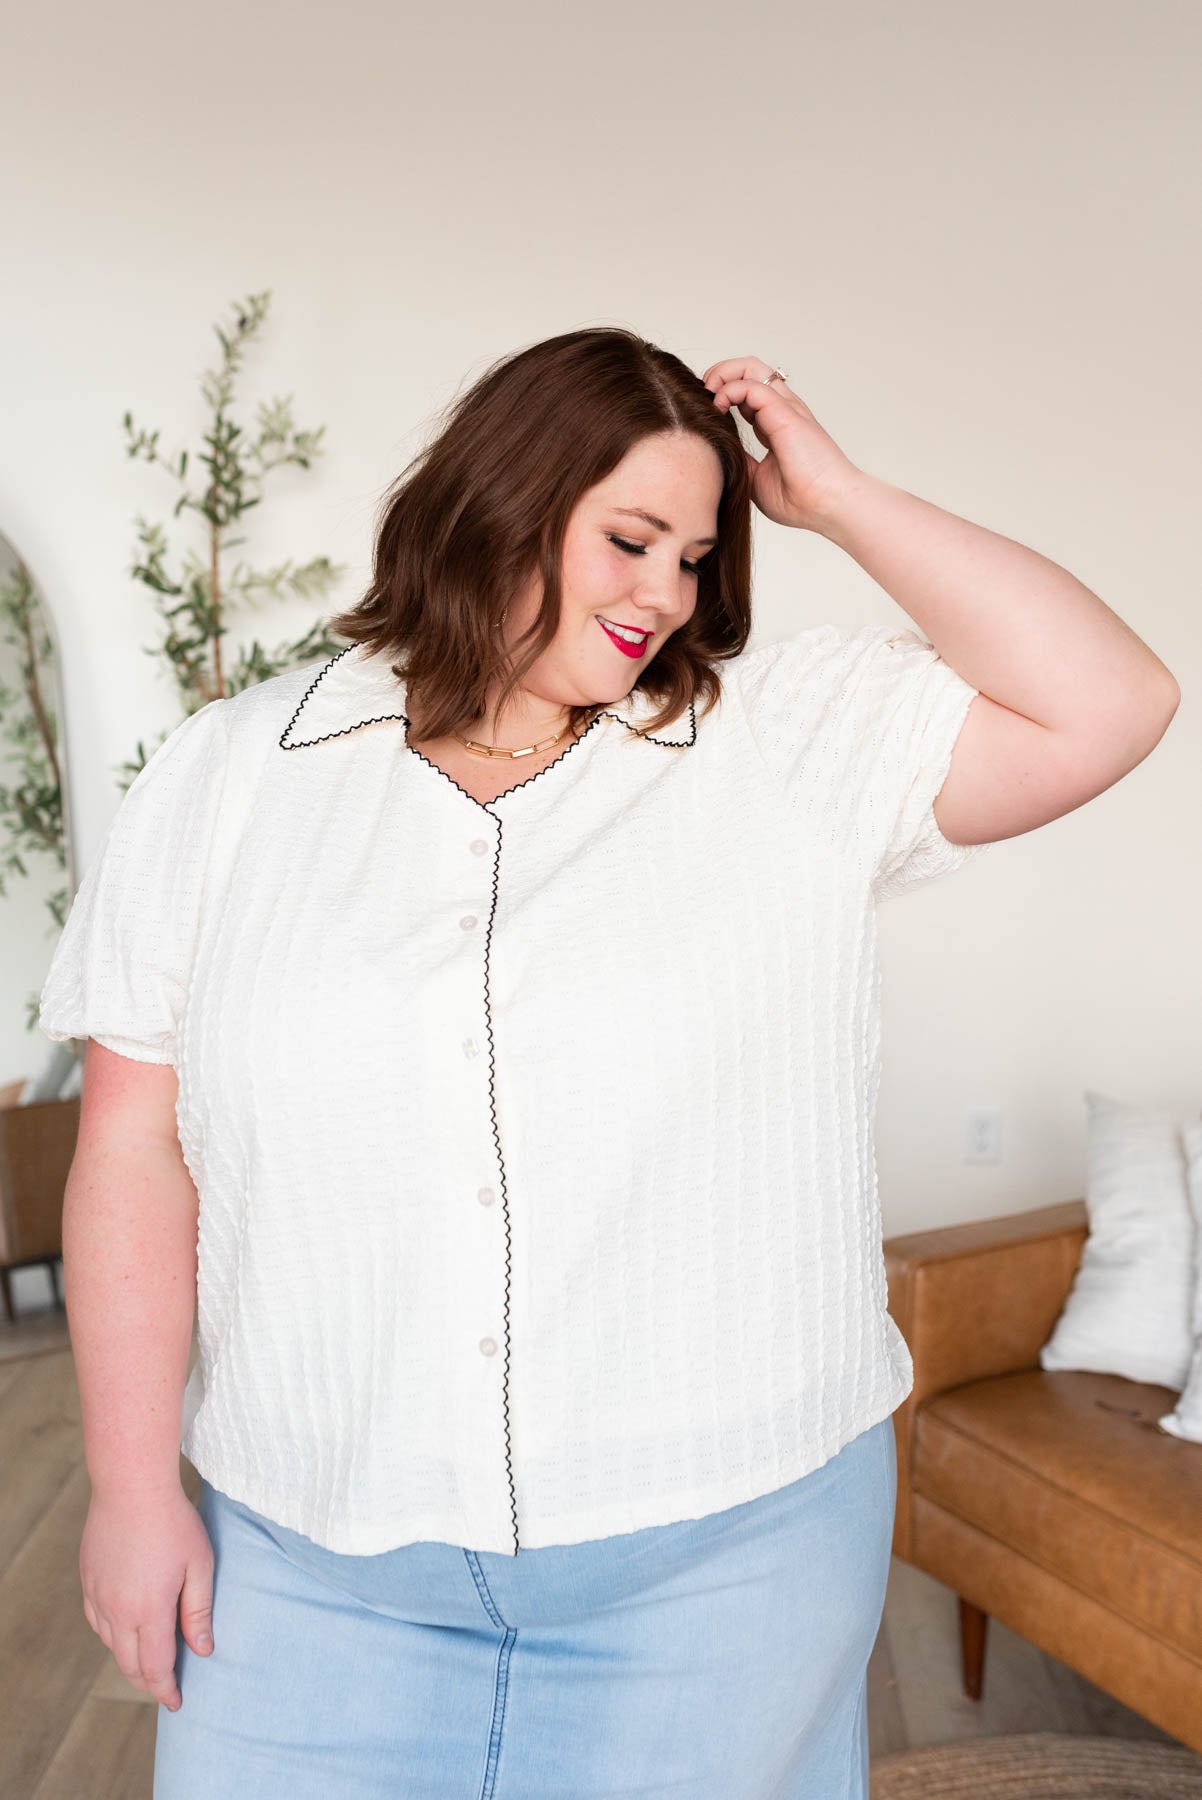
[[39, 1081]]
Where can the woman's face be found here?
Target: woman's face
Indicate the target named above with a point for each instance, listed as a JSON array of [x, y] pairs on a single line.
[[628, 557]]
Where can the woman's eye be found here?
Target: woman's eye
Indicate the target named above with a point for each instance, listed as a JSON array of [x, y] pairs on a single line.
[[693, 568]]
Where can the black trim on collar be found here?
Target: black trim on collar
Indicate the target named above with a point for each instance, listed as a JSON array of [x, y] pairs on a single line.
[[354, 688]]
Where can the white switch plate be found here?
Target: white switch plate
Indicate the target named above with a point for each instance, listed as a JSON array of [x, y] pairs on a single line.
[[983, 1134]]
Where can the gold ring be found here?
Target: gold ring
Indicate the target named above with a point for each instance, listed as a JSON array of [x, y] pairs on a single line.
[[775, 373]]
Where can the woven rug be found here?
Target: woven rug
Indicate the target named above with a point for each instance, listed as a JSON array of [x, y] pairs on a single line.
[[1040, 1765]]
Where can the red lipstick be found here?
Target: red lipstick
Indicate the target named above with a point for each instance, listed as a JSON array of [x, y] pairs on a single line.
[[626, 648]]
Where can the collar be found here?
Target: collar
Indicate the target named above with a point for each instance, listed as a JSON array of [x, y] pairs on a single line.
[[356, 687]]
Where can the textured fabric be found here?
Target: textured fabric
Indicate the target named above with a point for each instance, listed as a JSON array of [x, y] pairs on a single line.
[[533, 1140], [724, 1658]]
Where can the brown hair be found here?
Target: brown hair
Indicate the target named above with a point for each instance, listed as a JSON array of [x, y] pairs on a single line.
[[466, 522]]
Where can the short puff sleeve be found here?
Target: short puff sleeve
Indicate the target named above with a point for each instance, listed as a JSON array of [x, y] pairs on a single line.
[[861, 724], [121, 967]]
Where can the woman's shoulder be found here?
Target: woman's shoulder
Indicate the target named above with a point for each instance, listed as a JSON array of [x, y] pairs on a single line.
[[246, 729], [812, 647], [857, 665], [262, 710], [802, 668]]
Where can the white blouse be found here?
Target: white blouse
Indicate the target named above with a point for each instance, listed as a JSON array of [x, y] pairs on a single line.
[[533, 1139]]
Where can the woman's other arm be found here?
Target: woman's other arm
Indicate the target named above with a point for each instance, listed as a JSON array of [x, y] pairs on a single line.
[[129, 1272]]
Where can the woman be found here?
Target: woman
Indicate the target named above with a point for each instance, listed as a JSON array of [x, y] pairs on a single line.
[[497, 1004]]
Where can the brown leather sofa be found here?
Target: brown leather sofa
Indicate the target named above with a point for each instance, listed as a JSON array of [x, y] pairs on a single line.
[[1049, 1499]]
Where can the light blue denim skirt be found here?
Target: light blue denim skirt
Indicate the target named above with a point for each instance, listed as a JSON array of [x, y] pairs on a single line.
[[720, 1658]]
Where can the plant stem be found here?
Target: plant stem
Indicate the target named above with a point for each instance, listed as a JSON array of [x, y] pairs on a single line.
[[35, 690], [214, 601]]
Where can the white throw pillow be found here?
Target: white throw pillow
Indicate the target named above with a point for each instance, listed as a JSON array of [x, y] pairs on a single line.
[[1185, 1420], [1129, 1311]]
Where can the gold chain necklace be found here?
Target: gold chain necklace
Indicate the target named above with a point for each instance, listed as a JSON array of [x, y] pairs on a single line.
[[478, 749]]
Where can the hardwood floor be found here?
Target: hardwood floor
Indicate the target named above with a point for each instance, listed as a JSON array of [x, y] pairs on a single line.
[[914, 1691], [73, 1728]]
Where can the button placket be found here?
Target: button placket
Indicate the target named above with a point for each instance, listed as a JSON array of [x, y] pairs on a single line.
[[486, 1196], [470, 924], [470, 1045]]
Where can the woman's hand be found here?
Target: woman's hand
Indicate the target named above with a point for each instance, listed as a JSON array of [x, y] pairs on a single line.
[[804, 473], [142, 1558]]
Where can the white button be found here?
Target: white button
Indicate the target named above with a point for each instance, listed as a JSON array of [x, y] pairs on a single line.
[[488, 1347], [470, 1046], [486, 1196], [477, 846], [469, 922]]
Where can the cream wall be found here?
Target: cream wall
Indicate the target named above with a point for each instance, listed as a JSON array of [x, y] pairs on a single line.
[[969, 233]]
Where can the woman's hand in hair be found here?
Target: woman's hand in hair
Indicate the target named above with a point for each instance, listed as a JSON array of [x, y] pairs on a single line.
[[800, 480]]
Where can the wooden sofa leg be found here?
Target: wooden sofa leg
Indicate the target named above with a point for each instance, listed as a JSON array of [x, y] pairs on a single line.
[[972, 1647]]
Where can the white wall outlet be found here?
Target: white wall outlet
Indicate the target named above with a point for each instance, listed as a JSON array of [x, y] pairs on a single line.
[[983, 1134]]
